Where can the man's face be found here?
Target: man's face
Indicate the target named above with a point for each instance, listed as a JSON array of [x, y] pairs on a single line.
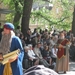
[[6, 31], [62, 37], [29, 32], [39, 45], [30, 47]]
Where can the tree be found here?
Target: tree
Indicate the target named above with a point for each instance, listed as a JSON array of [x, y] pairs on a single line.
[[22, 8], [18, 12], [73, 22], [62, 19], [17, 7], [26, 15]]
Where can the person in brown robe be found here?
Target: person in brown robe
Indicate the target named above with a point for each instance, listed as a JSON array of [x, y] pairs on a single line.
[[62, 62]]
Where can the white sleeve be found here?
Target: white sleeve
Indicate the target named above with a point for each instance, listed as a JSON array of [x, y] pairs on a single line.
[[31, 55], [53, 53]]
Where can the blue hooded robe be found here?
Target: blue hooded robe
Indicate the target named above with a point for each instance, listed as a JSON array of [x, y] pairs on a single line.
[[17, 64]]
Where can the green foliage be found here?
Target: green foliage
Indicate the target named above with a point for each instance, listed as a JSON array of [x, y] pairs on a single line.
[[11, 6], [16, 24], [50, 20], [10, 3], [47, 17], [9, 17], [44, 16], [16, 6]]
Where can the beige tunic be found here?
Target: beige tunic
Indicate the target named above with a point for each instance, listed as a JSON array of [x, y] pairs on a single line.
[[63, 63]]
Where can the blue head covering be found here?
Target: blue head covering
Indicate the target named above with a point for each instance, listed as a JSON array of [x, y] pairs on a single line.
[[9, 26]]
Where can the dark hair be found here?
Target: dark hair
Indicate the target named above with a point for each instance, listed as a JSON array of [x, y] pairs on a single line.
[[46, 47], [54, 45], [35, 30], [38, 35], [18, 27], [29, 29], [0, 24]]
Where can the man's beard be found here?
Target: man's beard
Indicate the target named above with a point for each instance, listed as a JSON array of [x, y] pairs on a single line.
[[5, 43]]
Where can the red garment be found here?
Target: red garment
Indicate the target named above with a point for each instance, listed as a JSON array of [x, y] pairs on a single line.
[[61, 50]]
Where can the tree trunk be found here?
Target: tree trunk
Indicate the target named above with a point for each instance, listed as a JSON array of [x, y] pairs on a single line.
[[26, 16], [17, 18], [17, 14], [73, 23]]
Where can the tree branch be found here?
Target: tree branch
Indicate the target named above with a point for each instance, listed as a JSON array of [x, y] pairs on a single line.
[[63, 19]]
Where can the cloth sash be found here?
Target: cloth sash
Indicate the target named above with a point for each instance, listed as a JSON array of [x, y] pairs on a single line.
[[7, 69]]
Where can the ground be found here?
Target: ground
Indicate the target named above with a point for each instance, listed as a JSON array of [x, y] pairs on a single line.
[[71, 70]]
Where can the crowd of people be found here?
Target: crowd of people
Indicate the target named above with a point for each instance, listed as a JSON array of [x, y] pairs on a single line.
[[50, 49], [42, 47]]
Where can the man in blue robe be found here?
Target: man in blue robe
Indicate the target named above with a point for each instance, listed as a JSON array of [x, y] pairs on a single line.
[[10, 43]]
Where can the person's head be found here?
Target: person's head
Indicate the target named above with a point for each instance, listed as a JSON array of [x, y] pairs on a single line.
[[35, 30], [61, 36], [47, 36], [44, 44], [46, 47], [26, 48], [38, 44], [21, 36], [52, 38], [55, 46], [30, 47], [29, 31], [18, 27], [39, 36], [8, 27]]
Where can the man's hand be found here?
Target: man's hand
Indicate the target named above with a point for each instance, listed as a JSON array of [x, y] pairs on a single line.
[[60, 46], [31, 59], [1, 56], [12, 59]]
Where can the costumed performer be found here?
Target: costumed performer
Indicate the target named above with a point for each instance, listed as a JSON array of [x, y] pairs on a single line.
[[62, 62], [9, 43]]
